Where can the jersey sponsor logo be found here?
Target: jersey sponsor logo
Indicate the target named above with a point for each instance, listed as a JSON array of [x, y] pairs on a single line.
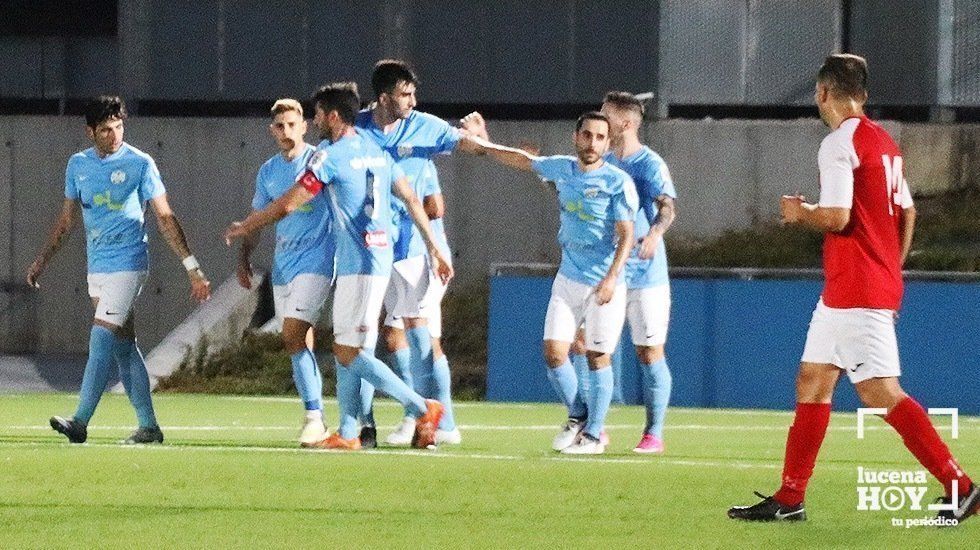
[[117, 177], [405, 150], [360, 163], [376, 239], [304, 208], [578, 208], [105, 199]]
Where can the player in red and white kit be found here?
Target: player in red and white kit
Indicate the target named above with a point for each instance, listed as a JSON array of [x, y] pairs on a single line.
[[866, 213]]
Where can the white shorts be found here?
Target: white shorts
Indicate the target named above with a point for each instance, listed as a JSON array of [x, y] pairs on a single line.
[[415, 292], [573, 304], [302, 298], [648, 313], [356, 308], [116, 293], [860, 341]]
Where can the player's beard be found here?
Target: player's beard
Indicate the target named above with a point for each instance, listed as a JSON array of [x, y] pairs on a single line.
[[588, 157]]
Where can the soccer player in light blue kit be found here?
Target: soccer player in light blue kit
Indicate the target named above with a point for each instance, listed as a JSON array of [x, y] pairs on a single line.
[[413, 326], [302, 269], [360, 178], [647, 283], [598, 204], [112, 182]]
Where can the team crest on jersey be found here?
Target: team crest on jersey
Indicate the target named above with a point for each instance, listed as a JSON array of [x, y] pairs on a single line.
[[316, 161], [591, 192], [405, 150], [117, 177]]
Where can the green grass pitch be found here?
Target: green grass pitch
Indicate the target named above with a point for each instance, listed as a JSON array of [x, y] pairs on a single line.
[[231, 474]]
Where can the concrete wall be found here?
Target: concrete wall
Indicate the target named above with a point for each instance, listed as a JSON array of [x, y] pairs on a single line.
[[728, 175]]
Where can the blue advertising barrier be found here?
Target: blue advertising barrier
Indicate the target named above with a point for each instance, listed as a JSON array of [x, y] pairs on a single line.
[[736, 343]]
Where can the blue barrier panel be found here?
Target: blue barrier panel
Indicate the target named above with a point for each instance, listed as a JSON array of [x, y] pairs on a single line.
[[737, 343]]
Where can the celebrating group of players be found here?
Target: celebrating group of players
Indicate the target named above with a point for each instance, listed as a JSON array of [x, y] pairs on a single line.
[[361, 212]]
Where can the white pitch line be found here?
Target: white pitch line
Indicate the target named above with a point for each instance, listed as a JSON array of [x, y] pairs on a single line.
[[478, 427], [654, 460]]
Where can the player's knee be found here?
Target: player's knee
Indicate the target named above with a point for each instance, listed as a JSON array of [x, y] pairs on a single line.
[[345, 355], [598, 360], [816, 385], [555, 358], [880, 393], [394, 339], [650, 354], [578, 346], [115, 329]]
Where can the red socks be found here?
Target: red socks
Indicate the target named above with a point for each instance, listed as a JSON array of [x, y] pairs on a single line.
[[912, 423], [805, 437]]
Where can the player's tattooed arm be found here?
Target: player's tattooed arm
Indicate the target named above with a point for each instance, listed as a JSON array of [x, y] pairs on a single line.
[[440, 264], [907, 228], [667, 212], [624, 243], [59, 232], [173, 233], [244, 269]]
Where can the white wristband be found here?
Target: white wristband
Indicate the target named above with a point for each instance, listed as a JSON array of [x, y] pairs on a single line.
[[190, 263]]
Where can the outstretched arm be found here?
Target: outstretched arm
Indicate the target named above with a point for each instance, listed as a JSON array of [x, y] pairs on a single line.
[[59, 232], [508, 156], [173, 233], [297, 196], [440, 265]]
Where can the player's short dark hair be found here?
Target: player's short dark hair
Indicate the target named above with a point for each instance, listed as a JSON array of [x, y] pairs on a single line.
[[591, 115], [341, 97], [625, 101], [103, 108], [388, 73], [845, 74]]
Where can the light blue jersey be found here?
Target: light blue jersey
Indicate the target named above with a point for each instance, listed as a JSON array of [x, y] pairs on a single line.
[[652, 179], [113, 192], [304, 239], [359, 176], [591, 203], [413, 143]]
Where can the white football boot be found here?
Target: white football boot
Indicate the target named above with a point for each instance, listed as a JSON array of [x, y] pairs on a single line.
[[449, 437], [567, 435], [585, 444], [313, 431], [403, 433]]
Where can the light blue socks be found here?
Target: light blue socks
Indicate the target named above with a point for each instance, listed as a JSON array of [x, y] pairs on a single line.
[[380, 376], [100, 358], [565, 382], [308, 381], [442, 378], [133, 375], [600, 396], [657, 383]]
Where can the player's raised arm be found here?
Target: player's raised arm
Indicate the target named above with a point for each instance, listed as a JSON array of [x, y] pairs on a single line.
[[173, 233], [59, 232], [441, 266], [472, 129]]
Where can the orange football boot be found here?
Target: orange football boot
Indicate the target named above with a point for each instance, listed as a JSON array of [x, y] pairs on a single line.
[[339, 443], [427, 424]]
